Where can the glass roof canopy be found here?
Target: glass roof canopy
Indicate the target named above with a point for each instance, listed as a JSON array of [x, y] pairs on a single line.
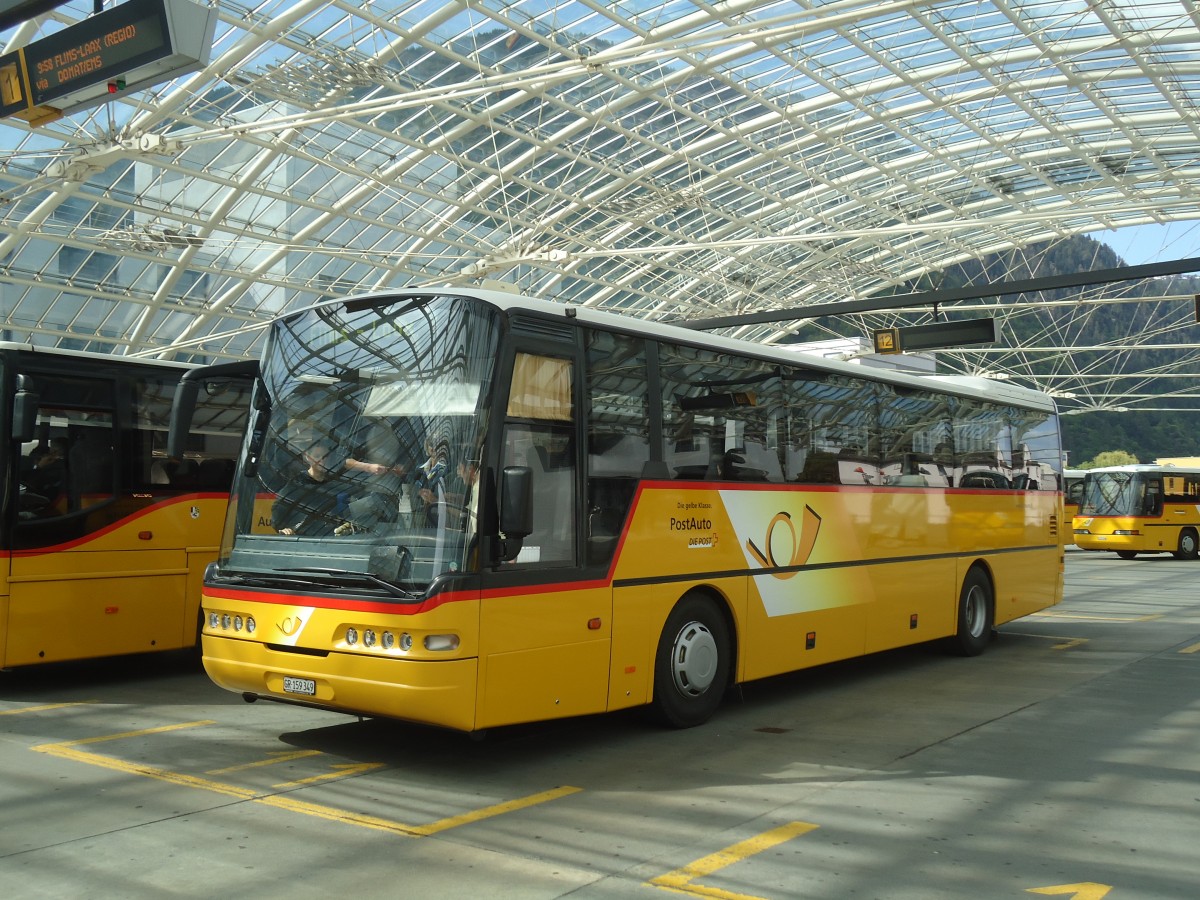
[[666, 160]]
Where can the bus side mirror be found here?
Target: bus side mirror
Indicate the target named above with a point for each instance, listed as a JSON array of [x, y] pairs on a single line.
[[516, 509], [25, 410], [183, 406]]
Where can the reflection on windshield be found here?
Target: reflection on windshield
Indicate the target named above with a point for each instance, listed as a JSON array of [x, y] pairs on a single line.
[[1112, 494], [364, 450]]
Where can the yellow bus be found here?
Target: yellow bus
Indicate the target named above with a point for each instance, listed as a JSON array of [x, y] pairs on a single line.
[[1072, 492], [1140, 509], [474, 509], [105, 538]]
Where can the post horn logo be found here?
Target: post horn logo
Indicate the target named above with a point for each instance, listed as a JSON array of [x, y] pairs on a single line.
[[290, 625], [801, 544]]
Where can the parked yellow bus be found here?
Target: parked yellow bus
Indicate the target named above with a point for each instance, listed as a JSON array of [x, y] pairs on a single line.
[[1072, 492], [105, 538], [518, 510], [1140, 509]]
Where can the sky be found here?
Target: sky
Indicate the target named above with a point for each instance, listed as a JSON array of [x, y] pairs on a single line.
[[1153, 243]]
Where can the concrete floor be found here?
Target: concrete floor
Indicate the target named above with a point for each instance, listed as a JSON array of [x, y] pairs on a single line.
[[1064, 761]]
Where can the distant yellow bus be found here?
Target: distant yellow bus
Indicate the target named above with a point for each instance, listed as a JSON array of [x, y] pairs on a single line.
[[1140, 509], [104, 538], [1072, 491], [619, 514]]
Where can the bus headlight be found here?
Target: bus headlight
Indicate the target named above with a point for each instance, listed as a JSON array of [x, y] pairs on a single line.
[[406, 642], [250, 624], [1126, 532], [441, 642], [368, 638], [351, 636], [214, 621], [389, 640]]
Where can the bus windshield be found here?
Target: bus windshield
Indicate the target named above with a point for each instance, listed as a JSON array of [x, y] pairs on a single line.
[[1112, 494], [363, 447]]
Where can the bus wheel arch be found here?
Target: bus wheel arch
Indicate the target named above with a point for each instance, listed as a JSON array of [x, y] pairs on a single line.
[[694, 661], [976, 612], [1189, 546]]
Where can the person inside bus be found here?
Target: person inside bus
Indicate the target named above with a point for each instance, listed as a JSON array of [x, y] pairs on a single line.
[[429, 483], [49, 470], [466, 501], [311, 500]]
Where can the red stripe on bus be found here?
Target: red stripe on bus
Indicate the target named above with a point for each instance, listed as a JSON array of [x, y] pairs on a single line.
[[120, 523]]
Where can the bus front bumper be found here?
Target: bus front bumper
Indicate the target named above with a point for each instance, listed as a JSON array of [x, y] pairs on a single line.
[[435, 693], [1114, 542]]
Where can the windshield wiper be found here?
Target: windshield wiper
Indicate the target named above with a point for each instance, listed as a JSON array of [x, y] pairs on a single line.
[[271, 580], [393, 589]]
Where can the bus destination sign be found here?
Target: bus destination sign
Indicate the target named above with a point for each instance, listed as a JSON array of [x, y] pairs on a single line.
[[98, 49], [129, 47]]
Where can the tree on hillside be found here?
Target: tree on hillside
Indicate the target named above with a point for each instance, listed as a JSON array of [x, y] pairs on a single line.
[[1111, 458]]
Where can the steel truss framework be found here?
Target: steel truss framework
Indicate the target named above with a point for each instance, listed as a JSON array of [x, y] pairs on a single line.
[[663, 159]]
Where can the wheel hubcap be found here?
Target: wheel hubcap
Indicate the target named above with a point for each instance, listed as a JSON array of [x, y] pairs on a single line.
[[976, 611], [694, 659]]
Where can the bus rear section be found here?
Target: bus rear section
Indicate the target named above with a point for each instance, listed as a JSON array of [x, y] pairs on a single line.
[[106, 539], [1140, 509]]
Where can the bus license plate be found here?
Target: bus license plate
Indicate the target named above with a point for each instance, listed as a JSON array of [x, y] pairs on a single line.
[[304, 686]]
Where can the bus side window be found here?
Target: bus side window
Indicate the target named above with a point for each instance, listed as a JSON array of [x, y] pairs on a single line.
[[1152, 501], [542, 399], [549, 455], [618, 429], [90, 461], [1075, 491], [71, 468]]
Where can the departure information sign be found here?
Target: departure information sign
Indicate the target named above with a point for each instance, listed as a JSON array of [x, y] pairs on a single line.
[[98, 49], [129, 47]]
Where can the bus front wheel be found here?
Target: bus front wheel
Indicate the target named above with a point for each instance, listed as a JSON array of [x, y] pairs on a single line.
[[1127, 554], [976, 613], [692, 665], [1187, 545]]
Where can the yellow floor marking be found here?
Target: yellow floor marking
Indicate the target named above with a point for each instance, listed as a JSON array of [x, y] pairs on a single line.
[[282, 756], [28, 709], [1064, 643], [1069, 643], [68, 750], [1195, 648], [1085, 890], [498, 809], [340, 771], [680, 880], [126, 734]]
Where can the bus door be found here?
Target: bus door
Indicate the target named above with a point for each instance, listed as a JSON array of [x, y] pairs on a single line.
[[88, 576], [544, 629]]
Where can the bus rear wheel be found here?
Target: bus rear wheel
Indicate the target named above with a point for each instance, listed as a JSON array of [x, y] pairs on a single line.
[[1127, 554], [976, 614], [1187, 545], [692, 665]]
